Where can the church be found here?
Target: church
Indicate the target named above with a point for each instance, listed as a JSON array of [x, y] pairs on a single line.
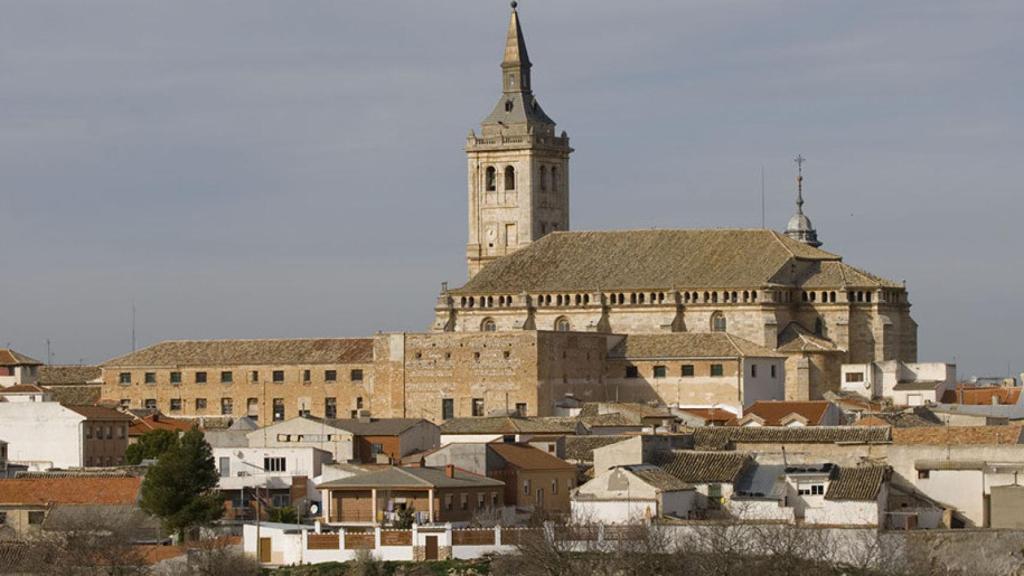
[[528, 271]]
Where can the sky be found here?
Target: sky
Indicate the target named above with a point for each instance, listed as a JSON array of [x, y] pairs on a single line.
[[262, 169]]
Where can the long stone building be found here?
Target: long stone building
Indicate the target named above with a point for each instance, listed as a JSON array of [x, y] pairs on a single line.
[[713, 317]]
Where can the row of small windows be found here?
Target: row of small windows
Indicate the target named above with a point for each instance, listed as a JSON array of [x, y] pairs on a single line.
[[825, 296], [548, 178], [228, 376], [561, 324], [252, 407], [734, 296], [476, 408], [636, 298], [486, 301], [689, 371], [614, 298]]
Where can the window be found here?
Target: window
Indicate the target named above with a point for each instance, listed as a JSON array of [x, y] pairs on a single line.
[[35, 517], [718, 322], [200, 404], [554, 179], [376, 449], [225, 467], [331, 375], [448, 502], [447, 409], [278, 376], [307, 375], [254, 376], [149, 403], [149, 377], [281, 500], [659, 372], [278, 409], [773, 370], [478, 406], [494, 499], [510, 178], [811, 490], [226, 406], [121, 432], [3, 518], [819, 327], [175, 377], [479, 500], [356, 375], [923, 474], [716, 370], [359, 402], [274, 464], [175, 404], [88, 432], [854, 376], [554, 486], [464, 501], [526, 487], [226, 377], [543, 178], [252, 408], [488, 325], [124, 377], [632, 372], [330, 408], [753, 370], [491, 184], [521, 409], [200, 377], [562, 324], [687, 370], [109, 432], [125, 403]]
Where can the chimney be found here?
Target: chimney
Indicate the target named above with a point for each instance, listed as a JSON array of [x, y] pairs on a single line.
[[449, 470]]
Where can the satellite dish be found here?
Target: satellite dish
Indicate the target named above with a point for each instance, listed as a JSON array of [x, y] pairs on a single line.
[[314, 509]]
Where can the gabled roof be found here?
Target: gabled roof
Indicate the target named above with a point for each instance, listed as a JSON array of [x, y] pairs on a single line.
[[718, 438], [9, 357], [249, 352], [23, 389], [158, 422], [510, 425], [372, 426], [658, 478], [958, 435], [681, 345], [68, 375], [796, 338], [528, 457], [581, 448], [70, 490], [99, 413], [856, 483], [775, 412], [842, 276], [648, 259], [413, 477], [702, 467]]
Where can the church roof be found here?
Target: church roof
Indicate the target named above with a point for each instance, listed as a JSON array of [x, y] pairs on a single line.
[[249, 352], [841, 275], [651, 259], [796, 338], [688, 345]]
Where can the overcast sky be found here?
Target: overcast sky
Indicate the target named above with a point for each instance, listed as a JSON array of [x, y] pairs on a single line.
[[257, 168]]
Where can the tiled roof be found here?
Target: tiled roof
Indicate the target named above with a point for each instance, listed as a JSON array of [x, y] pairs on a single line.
[[688, 345], [158, 422], [773, 411], [701, 467], [68, 375], [509, 425], [958, 435], [249, 352], [71, 490], [528, 457], [372, 427], [710, 415], [796, 338], [413, 477], [896, 420], [647, 259], [839, 275], [581, 448], [718, 438], [99, 413], [659, 478], [856, 483], [22, 389], [917, 385], [77, 395], [982, 395], [9, 357]]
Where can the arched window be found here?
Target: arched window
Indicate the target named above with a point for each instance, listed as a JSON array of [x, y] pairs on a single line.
[[491, 183], [544, 178], [488, 325], [718, 322], [554, 179], [819, 327], [562, 324], [510, 178]]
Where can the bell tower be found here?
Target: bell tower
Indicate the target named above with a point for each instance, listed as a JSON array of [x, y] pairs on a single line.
[[518, 169]]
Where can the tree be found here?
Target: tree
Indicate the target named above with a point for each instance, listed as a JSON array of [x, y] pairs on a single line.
[[150, 446], [181, 488], [284, 515], [404, 518]]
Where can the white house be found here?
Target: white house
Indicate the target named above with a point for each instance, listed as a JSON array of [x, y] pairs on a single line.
[[905, 383], [282, 476], [44, 434], [627, 494], [16, 368]]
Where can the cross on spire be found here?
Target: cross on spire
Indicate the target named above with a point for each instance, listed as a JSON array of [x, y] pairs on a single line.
[[799, 183], [800, 227]]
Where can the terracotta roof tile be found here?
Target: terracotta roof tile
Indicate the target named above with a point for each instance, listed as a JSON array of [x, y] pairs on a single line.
[[510, 425], [70, 490], [249, 352], [158, 422], [856, 483], [581, 448], [528, 457], [9, 357], [773, 411], [23, 389], [719, 438], [982, 395], [688, 345], [958, 435], [659, 478], [99, 413], [700, 467]]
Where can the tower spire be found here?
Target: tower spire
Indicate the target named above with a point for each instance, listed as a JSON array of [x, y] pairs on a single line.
[[515, 45], [800, 227], [517, 107]]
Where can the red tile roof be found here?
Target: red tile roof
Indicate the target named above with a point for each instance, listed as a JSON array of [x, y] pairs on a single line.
[[158, 422], [774, 411], [981, 395], [70, 490], [9, 357], [528, 457], [99, 413], [710, 414], [23, 389]]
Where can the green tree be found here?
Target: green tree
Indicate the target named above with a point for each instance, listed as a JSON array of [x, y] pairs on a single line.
[[151, 446], [284, 515], [181, 488]]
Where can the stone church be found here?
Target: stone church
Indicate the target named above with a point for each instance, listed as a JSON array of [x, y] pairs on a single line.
[[529, 272]]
